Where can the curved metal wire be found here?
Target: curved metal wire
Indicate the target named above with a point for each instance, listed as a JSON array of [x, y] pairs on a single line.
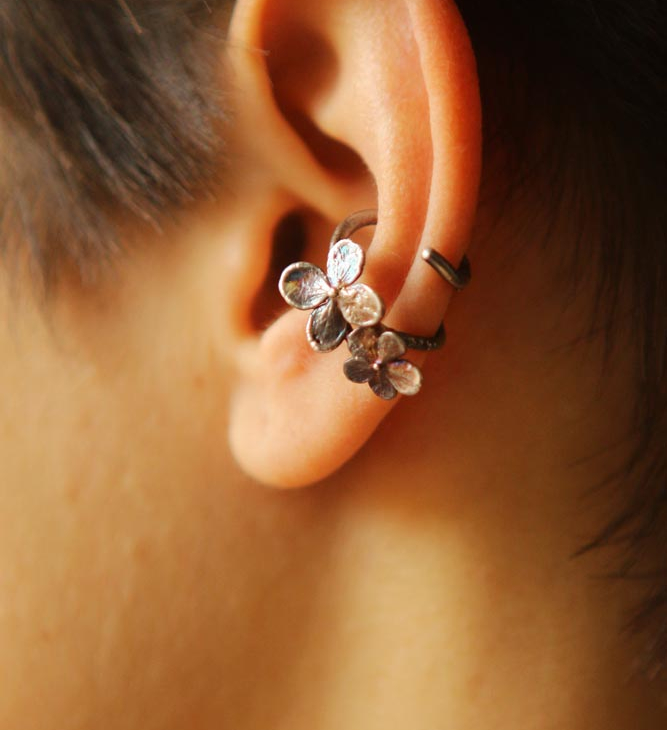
[[458, 278], [354, 222]]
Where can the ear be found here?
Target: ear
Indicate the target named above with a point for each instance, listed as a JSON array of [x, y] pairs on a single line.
[[322, 85]]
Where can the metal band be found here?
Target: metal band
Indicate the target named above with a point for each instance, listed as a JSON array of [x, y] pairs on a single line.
[[417, 342], [458, 278], [352, 223]]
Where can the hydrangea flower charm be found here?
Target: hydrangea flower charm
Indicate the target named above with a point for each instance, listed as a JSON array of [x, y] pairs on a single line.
[[338, 303], [344, 309], [376, 360]]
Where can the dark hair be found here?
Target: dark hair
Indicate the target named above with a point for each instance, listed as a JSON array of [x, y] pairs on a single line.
[[105, 107], [113, 107], [574, 92]]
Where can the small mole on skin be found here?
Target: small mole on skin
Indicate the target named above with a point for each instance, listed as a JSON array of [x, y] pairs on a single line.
[[72, 492], [140, 552]]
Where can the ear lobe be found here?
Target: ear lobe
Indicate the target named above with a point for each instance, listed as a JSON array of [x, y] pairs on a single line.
[[397, 86]]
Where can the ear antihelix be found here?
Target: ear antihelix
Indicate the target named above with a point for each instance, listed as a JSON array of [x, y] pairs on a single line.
[[345, 310]]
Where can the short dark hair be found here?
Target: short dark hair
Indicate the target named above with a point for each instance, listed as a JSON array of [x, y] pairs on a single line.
[[105, 107], [109, 108]]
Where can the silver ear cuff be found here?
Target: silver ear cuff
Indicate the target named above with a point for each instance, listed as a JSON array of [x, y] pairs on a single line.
[[344, 309]]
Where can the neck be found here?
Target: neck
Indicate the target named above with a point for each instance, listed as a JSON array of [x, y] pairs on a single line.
[[447, 595]]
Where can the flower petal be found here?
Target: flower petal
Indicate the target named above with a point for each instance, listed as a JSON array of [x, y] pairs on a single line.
[[404, 376], [326, 327], [381, 386], [360, 305], [345, 262], [304, 285], [358, 370], [390, 347], [363, 342]]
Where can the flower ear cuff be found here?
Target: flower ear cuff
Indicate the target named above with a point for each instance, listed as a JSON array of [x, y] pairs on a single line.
[[343, 309]]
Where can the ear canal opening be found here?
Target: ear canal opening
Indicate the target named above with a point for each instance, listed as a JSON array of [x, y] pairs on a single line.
[[288, 245]]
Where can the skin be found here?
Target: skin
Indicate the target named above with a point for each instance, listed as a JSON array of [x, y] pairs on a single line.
[[155, 572]]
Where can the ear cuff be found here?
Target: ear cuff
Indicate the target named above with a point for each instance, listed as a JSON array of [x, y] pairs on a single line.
[[344, 309]]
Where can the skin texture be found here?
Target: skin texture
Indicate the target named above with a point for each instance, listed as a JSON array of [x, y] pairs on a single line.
[[422, 576]]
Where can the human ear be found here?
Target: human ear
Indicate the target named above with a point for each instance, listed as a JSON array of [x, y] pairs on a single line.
[[321, 85]]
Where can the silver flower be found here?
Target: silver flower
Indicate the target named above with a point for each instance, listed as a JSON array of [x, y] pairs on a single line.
[[337, 302], [376, 360]]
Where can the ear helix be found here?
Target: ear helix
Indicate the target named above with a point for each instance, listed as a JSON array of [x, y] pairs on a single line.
[[344, 309]]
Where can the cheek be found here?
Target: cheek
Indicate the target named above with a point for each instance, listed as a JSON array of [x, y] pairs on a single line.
[[125, 554], [125, 581], [115, 572]]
